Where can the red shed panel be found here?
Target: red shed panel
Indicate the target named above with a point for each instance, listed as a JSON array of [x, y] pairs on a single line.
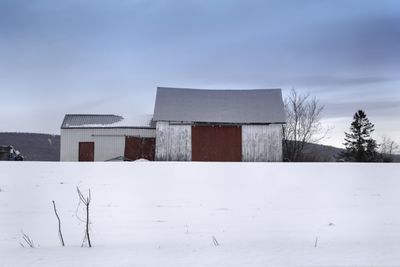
[[139, 148], [216, 143], [86, 151]]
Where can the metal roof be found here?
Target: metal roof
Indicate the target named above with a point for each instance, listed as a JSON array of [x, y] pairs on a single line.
[[105, 121], [219, 106]]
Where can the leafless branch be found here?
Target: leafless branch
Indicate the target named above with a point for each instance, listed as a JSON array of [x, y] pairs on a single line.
[[76, 212], [387, 148], [86, 201], [59, 225], [303, 124]]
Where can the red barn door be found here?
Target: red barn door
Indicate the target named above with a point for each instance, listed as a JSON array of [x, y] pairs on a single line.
[[86, 151], [216, 143], [139, 148]]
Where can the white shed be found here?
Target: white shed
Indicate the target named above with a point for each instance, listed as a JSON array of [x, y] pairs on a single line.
[[106, 137]]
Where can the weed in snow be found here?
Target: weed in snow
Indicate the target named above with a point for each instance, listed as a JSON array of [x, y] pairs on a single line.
[[28, 241], [215, 241]]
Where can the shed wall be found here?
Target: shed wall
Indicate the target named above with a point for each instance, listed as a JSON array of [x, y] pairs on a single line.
[[109, 143], [173, 142], [262, 143]]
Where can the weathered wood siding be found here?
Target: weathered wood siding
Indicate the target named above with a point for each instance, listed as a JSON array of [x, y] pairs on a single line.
[[108, 143], [262, 142], [173, 142]]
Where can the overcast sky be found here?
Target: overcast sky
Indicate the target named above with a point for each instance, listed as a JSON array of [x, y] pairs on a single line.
[[77, 56]]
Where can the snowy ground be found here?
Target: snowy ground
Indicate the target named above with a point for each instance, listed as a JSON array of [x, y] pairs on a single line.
[[165, 214]]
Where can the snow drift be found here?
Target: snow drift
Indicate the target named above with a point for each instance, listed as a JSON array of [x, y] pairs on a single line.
[[172, 214]]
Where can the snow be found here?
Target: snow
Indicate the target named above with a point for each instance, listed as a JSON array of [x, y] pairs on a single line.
[[139, 120], [126, 121], [168, 214]]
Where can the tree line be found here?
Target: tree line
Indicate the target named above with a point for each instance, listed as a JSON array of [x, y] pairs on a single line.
[[303, 127]]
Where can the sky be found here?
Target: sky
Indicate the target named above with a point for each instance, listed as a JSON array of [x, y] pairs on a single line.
[[109, 56]]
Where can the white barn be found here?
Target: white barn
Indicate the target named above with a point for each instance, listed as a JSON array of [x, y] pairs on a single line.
[[218, 125], [106, 138]]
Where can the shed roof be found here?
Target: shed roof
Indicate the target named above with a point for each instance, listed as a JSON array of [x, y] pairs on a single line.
[[105, 121], [219, 106]]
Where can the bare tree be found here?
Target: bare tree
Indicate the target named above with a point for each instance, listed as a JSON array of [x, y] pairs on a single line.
[[59, 225], [387, 148], [303, 124], [86, 202]]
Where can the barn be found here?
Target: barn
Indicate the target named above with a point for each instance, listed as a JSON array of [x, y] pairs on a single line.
[[218, 125], [105, 137], [187, 125]]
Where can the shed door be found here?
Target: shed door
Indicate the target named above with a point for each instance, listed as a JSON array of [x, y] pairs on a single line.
[[216, 143], [86, 151], [139, 148]]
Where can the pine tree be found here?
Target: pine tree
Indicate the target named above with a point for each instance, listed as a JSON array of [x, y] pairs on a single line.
[[360, 147]]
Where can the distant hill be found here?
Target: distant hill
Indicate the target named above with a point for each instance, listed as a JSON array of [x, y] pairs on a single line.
[[34, 147], [321, 153]]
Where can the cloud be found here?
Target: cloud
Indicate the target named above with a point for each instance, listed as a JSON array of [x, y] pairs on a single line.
[[342, 81], [76, 49], [377, 108]]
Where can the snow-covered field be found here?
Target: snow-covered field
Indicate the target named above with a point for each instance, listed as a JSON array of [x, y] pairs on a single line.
[[166, 214]]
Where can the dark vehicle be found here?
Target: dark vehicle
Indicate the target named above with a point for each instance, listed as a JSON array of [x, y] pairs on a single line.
[[9, 153]]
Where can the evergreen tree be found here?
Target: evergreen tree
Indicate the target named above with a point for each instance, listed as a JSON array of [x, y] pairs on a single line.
[[360, 147]]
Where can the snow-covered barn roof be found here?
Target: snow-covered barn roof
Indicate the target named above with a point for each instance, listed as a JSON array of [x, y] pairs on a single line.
[[219, 106], [105, 121]]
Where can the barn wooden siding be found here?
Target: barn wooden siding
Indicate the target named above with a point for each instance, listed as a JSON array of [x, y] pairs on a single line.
[[262, 143], [173, 142], [109, 142]]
